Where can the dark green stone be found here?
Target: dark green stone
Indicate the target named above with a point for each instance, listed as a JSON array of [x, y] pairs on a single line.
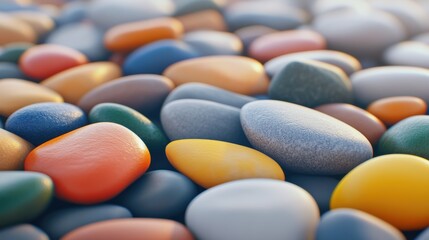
[[409, 136], [310, 85], [13, 52], [151, 135], [23, 196]]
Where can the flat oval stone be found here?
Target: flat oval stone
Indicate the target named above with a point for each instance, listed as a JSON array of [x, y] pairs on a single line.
[[43, 61], [234, 73], [367, 187], [72, 12], [12, 52], [154, 58], [355, 225], [303, 140], [40, 122], [159, 194], [276, 44], [424, 235], [191, 118], [391, 110], [75, 82], [209, 42], [210, 163], [353, 32], [408, 136], [151, 135], [40, 22], [10, 70], [60, 222], [143, 92], [13, 31], [23, 196], [207, 92], [23, 231], [128, 229], [394, 80], [290, 211], [13, 151], [408, 53], [346, 62], [321, 7], [251, 33], [311, 84], [130, 36], [87, 178], [203, 20], [365, 122], [16, 93]]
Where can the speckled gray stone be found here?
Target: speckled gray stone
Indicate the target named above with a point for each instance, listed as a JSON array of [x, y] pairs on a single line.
[[303, 140], [208, 92], [191, 118], [311, 83]]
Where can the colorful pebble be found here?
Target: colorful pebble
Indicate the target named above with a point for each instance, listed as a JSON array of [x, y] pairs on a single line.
[[14, 31], [23, 232], [13, 151], [40, 22]]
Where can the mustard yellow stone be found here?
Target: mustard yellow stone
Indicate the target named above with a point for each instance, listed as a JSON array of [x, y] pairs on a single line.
[[75, 82], [13, 30], [234, 73], [17, 93], [13, 151], [41, 23], [210, 162], [392, 187]]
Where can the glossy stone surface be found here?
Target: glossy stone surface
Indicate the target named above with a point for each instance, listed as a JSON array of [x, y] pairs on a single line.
[[13, 151]]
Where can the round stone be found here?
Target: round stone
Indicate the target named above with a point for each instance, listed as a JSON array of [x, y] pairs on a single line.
[[209, 42], [23, 231], [290, 211], [13, 151], [303, 140]]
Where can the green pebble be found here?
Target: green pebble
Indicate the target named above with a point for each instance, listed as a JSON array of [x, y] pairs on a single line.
[[13, 52], [23, 196], [310, 85], [409, 136], [151, 135]]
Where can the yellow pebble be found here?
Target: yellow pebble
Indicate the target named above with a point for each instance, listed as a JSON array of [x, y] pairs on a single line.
[[392, 187], [13, 151], [210, 162]]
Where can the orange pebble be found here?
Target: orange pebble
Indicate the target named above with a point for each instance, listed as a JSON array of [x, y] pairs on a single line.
[[394, 109], [129, 36], [203, 20], [91, 164]]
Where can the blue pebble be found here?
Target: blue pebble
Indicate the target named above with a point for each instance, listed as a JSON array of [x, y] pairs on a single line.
[[41, 122], [154, 58], [10, 70], [72, 12], [424, 235], [60, 222], [14, 7], [23, 232]]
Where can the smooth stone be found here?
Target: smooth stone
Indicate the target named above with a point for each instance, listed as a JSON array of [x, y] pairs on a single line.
[[23, 196], [14, 30], [394, 80], [203, 20], [60, 222], [130, 36], [392, 110], [144, 93], [13, 151], [276, 44], [210, 163], [40, 122], [251, 33], [233, 73], [303, 140], [184, 7], [10, 70], [104, 12], [355, 225], [408, 53], [346, 62], [75, 82], [40, 22], [208, 92], [424, 235], [44, 61], [147, 131], [311, 84], [23, 232], [423, 38], [289, 211], [320, 7], [209, 42], [373, 187], [408, 136], [363, 121], [154, 58], [159, 194], [276, 14], [87, 178], [129, 229], [12, 52], [193, 118], [72, 12], [83, 37], [354, 31], [17, 93]]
